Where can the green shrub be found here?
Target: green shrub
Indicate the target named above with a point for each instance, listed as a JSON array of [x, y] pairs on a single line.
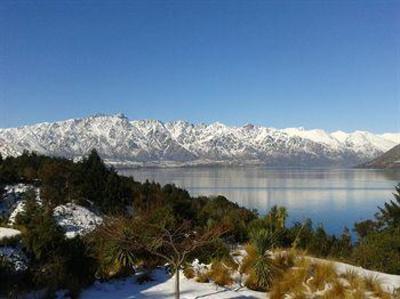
[[379, 251]]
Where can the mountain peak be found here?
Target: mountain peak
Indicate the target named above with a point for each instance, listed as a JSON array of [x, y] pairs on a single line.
[[105, 115], [152, 142]]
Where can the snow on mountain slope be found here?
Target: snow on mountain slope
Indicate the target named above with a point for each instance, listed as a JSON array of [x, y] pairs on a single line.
[[151, 142], [392, 137]]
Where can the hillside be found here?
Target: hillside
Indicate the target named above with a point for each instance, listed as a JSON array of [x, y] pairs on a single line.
[[122, 142], [390, 159]]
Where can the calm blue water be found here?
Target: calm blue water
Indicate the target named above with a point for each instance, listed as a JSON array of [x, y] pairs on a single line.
[[333, 197]]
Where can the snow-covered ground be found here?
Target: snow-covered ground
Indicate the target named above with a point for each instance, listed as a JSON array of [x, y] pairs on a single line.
[[163, 287], [389, 281], [75, 219], [6, 232], [13, 194], [12, 203]]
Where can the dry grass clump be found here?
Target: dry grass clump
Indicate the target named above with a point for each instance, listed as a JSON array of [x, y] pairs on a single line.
[[314, 279], [246, 267], [189, 272], [336, 291], [321, 274], [396, 293], [248, 260], [202, 277], [292, 282], [373, 284], [231, 263], [285, 259], [354, 280], [220, 274]]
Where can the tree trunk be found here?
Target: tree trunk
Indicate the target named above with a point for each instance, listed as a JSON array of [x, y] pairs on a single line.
[[177, 290]]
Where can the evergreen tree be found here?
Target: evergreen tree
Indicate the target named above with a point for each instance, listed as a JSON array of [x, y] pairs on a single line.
[[42, 236], [389, 215]]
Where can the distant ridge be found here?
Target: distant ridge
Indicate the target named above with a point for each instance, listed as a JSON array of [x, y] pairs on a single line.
[[390, 159], [148, 143]]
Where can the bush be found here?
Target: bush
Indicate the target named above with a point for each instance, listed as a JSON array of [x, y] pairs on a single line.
[[379, 251], [202, 277], [189, 272]]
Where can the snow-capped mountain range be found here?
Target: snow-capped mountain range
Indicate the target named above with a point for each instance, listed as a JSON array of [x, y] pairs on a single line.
[[154, 143]]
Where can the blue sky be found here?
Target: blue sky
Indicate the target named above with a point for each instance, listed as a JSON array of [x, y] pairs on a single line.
[[318, 64]]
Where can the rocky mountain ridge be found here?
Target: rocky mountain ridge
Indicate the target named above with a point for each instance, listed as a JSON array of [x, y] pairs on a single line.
[[154, 143]]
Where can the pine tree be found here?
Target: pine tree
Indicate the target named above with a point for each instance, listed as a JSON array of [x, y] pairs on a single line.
[[389, 215]]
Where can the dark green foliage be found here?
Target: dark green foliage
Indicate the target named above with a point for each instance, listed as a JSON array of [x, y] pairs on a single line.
[[70, 268], [12, 283], [43, 237], [379, 251], [317, 242], [378, 247], [216, 250], [343, 247], [219, 210], [56, 263], [389, 215], [54, 177], [364, 227], [24, 168]]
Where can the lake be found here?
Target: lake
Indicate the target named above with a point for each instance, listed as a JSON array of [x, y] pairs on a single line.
[[332, 197]]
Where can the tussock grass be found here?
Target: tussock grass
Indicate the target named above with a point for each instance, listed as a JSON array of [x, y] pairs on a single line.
[[321, 274], [354, 280], [356, 294], [220, 274], [292, 282], [396, 293], [337, 290], [374, 284], [248, 260], [202, 277], [317, 279], [284, 259], [230, 263], [189, 272]]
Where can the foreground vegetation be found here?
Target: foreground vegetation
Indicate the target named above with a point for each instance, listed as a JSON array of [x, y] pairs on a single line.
[[147, 225]]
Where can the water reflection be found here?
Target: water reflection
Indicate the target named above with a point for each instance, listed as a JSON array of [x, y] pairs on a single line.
[[333, 197]]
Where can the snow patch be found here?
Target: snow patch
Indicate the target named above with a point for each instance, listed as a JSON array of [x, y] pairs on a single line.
[[76, 220], [6, 233], [163, 287]]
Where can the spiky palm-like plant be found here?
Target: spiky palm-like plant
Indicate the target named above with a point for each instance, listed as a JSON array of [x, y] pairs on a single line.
[[264, 269]]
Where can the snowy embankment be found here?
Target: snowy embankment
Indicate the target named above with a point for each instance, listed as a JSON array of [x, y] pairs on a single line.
[[6, 233], [163, 287], [389, 281]]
